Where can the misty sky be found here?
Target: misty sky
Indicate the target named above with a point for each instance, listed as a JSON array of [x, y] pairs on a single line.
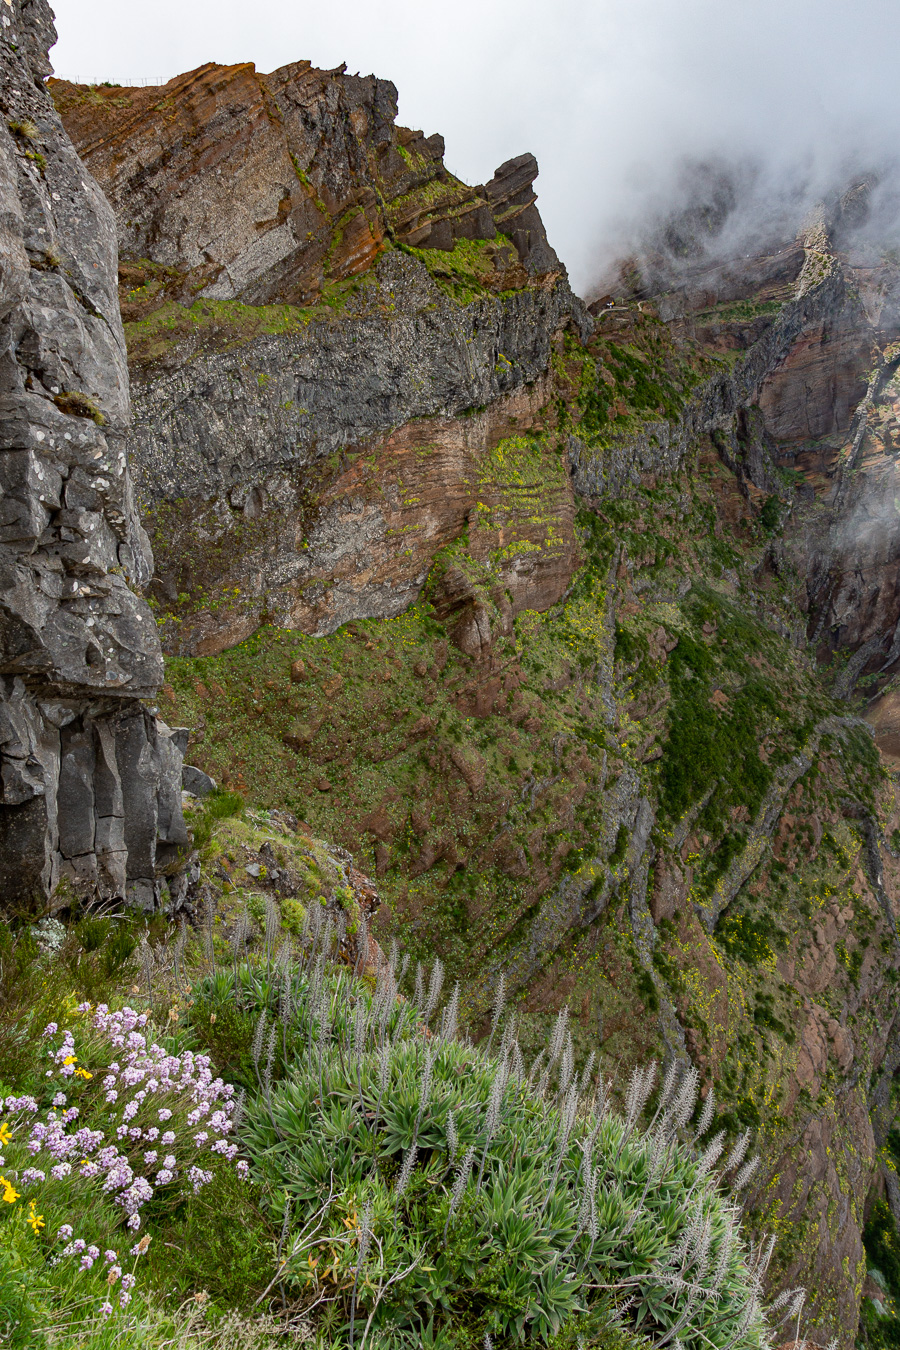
[[611, 95]]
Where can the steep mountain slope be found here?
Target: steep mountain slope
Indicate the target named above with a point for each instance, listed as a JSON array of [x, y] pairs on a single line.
[[562, 625], [257, 410], [89, 779]]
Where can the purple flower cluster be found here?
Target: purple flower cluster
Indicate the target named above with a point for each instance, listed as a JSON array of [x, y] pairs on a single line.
[[152, 1101], [90, 1254]]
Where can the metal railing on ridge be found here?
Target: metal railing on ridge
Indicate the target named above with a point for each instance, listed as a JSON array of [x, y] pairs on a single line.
[[152, 82]]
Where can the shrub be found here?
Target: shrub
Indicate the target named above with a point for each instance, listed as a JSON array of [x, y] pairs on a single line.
[[219, 805], [421, 1183], [770, 515], [293, 915]]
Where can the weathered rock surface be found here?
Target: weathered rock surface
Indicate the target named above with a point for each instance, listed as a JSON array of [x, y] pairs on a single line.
[[281, 479], [88, 778], [271, 187], [431, 426], [279, 469]]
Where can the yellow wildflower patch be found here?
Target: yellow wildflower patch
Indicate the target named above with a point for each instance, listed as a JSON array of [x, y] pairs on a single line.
[[10, 1194]]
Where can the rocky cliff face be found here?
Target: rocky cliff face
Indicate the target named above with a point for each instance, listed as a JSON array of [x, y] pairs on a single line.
[[293, 485], [563, 622], [89, 780], [229, 184]]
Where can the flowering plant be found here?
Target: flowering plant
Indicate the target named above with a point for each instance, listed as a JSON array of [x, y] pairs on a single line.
[[140, 1124]]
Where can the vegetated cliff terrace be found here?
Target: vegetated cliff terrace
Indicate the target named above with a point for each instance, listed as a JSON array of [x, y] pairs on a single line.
[[562, 623]]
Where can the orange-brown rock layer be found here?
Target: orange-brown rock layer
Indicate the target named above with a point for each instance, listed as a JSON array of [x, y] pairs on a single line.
[[228, 183], [314, 555]]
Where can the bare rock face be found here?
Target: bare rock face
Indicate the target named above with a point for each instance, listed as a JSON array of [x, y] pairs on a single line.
[[329, 335], [239, 185], [89, 781], [367, 541]]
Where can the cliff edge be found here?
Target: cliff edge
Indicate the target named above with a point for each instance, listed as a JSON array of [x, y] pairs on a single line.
[[89, 779]]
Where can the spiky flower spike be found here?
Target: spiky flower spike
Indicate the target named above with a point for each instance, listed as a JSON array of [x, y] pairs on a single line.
[[706, 1115], [406, 1172], [273, 927], [258, 1038], [450, 1015], [639, 1089], [270, 1057], [736, 1156], [586, 1074], [745, 1173], [497, 1008], [686, 1099], [362, 945], [452, 1135], [492, 1114], [434, 989], [558, 1039], [464, 1171], [365, 1235]]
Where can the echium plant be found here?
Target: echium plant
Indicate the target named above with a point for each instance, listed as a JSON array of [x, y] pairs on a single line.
[[423, 1183], [125, 1122]]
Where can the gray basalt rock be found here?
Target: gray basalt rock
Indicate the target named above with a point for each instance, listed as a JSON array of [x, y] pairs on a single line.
[[89, 782], [280, 454], [196, 781]]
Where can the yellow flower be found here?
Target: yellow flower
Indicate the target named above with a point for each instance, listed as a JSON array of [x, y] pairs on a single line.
[[10, 1194], [5, 1135], [70, 1059], [36, 1220], [83, 1073]]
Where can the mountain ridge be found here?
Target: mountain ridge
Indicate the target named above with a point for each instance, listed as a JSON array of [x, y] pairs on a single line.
[[560, 621]]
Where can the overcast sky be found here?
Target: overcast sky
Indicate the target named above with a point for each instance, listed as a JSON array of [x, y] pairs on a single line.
[[611, 95]]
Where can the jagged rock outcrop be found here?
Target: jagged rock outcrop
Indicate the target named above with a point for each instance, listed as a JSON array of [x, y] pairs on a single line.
[[281, 454], [230, 184], [89, 780], [642, 797]]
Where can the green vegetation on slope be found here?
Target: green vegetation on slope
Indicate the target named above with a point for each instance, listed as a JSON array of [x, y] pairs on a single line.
[[404, 1188], [496, 799]]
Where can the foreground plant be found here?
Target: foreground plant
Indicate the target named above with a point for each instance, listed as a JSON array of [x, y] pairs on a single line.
[[421, 1183], [140, 1125]]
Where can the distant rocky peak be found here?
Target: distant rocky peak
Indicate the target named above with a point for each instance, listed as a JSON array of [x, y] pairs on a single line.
[[719, 214]]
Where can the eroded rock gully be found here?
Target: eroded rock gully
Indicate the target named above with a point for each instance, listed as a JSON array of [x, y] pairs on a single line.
[[89, 779], [562, 622]]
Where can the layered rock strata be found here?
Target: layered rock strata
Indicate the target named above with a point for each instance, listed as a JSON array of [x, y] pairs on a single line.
[[600, 757], [305, 466], [230, 184], [89, 780]]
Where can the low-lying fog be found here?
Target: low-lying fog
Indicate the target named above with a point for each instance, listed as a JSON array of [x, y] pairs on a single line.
[[619, 99]]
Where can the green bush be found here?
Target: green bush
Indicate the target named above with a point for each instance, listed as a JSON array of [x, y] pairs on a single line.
[[293, 915], [770, 515], [218, 1241], [710, 748], [219, 805], [423, 1185]]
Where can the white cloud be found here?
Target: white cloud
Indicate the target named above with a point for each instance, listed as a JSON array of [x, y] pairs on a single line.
[[610, 95]]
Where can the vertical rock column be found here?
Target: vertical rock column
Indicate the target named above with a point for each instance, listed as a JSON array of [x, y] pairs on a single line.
[[89, 779]]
